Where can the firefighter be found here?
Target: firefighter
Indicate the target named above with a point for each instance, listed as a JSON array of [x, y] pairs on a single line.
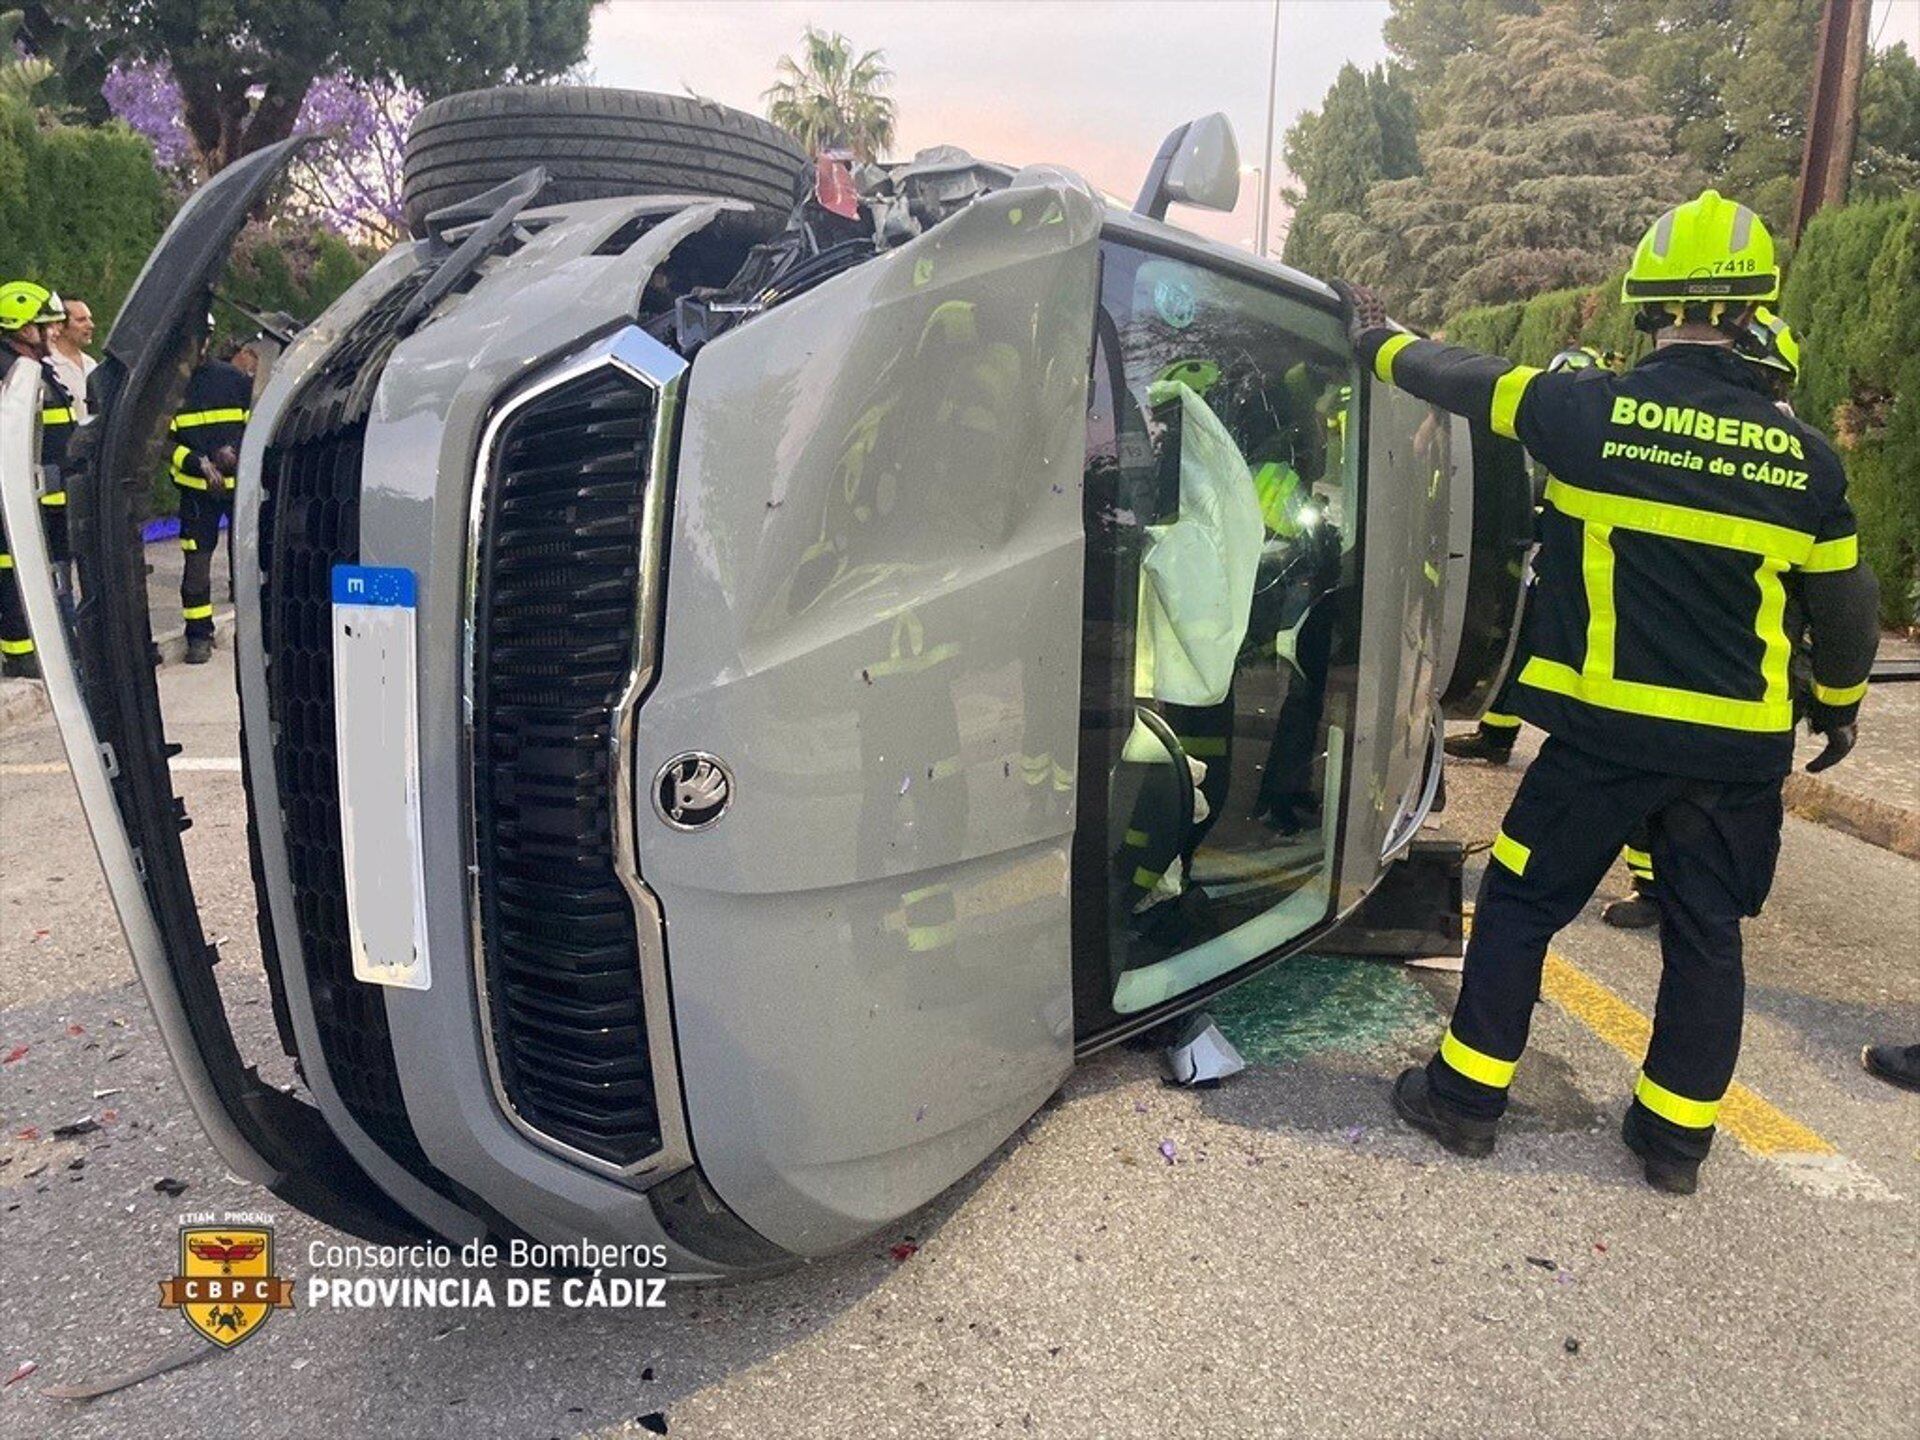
[[1767, 343], [26, 311], [1684, 507], [206, 436]]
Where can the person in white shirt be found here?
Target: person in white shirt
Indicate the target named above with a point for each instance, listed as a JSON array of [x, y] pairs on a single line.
[[68, 354]]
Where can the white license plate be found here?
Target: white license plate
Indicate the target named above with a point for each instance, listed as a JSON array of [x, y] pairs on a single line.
[[377, 739]]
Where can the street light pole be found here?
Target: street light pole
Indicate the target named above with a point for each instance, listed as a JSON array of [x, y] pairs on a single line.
[[1266, 167]]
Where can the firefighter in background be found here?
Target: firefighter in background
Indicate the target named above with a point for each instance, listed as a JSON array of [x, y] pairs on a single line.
[[1684, 512], [1499, 727], [206, 436], [26, 311]]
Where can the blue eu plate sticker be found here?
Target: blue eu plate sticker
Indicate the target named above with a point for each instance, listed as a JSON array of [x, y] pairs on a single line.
[[373, 585]]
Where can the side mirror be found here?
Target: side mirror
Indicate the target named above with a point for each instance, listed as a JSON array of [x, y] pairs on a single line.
[[1198, 164]]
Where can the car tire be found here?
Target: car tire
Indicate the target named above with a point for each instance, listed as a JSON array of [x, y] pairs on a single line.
[[596, 144]]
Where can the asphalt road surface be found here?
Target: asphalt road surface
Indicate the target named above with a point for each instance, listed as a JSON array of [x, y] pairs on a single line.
[[1278, 1256]]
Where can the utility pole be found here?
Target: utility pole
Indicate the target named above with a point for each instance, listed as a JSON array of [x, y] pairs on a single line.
[[1266, 165], [1833, 116]]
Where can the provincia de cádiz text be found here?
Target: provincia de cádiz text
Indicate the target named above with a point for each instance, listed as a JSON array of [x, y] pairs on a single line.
[[517, 1274]]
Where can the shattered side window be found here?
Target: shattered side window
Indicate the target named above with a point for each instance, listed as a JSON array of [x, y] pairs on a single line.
[[1221, 623]]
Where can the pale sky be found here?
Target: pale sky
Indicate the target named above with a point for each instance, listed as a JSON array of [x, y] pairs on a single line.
[[1091, 84]]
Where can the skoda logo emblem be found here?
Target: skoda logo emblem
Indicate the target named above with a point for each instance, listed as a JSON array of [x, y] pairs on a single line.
[[692, 791]]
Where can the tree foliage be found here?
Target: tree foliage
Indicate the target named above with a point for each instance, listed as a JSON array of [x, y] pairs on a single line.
[[1544, 166], [1363, 132], [1732, 80], [244, 67], [829, 96], [1426, 36]]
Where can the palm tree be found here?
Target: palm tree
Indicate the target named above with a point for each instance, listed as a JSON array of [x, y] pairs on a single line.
[[831, 97]]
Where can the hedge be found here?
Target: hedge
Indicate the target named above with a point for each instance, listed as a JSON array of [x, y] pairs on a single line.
[[80, 207], [1853, 297]]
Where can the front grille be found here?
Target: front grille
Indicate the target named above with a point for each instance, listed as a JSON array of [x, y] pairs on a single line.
[[309, 522], [556, 610]]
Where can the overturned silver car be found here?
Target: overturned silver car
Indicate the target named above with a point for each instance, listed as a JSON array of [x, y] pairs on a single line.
[[748, 668]]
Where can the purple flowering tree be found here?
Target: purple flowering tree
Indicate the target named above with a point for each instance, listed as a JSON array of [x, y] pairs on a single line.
[[348, 180]]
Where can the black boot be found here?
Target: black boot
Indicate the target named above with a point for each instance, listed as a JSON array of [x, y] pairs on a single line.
[[1663, 1172], [199, 649], [1415, 1103], [20, 667], [1895, 1064], [1493, 746], [1638, 911]]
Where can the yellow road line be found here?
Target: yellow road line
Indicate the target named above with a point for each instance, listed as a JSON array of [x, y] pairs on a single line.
[[1754, 1122]]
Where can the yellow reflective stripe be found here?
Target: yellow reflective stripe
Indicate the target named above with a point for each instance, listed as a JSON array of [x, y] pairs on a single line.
[[195, 418], [1511, 853], [1680, 522], [54, 497], [1838, 694], [191, 482], [1596, 566], [16, 647], [1770, 625], [6, 562], [1204, 747], [1383, 357], [1658, 702], [1500, 722], [1507, 391], [187, 542], [1475, 1064], [1638, 858], [197, 612], [1146, 879], [1829, 555], [1137, 839], [1693, 1114], [56, 415]]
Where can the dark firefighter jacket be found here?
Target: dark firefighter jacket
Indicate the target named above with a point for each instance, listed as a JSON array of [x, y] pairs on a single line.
[[213, 414], [56, 429], [1684, 511]]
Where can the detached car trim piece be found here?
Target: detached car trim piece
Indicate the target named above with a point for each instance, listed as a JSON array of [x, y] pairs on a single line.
[[632, 355]]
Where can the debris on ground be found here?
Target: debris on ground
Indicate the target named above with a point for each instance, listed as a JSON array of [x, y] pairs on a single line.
[[114, 1090], [1200, 1056], [654, 1421], [1572, 1346], [904, 1251], [76, 1029], [170, 1187], [1168, 1150], [1550, 1266], [93, 1390], [26, 1368], [18, 1052], [85, 1125]]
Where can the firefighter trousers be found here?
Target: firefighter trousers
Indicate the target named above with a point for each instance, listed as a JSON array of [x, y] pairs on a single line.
[[200, 514], [1714, 844]]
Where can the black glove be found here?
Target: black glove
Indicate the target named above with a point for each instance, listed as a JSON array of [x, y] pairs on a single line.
[[1838, 745], [1365, 310]]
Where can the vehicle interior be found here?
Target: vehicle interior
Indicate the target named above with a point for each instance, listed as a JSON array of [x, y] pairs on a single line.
[[1221, 632]]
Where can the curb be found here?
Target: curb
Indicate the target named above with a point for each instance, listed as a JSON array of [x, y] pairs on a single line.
[[1891, 827], [22, 701]]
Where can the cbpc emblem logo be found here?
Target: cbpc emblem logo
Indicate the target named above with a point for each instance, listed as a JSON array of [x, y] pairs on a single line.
[[226, 1287], [692, 791]]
